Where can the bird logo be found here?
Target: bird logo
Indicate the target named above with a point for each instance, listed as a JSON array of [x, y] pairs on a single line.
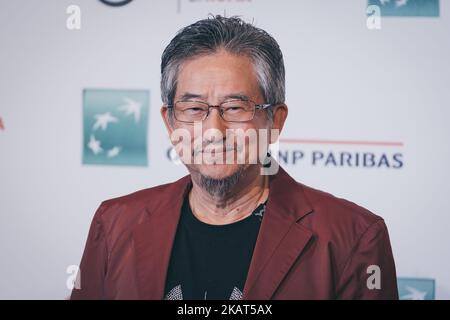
[[115, 127], [414, 294]]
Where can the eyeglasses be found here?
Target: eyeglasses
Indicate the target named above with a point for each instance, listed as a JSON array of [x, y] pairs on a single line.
[[190, 111]]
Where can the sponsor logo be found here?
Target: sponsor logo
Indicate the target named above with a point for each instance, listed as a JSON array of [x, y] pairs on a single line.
[[407, 8], [416, 288], [341, 153], [115, 3], [329, 154], [115, 127]]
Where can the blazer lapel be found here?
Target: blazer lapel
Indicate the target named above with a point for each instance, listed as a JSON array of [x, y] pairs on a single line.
[[154, 238], [281, 239]]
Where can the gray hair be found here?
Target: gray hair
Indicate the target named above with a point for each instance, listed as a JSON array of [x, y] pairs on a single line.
[[234, 35]]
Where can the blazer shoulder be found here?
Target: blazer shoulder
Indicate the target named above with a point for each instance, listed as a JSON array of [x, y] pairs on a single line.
[[338, 217], [340, 227], [332, 205], [134, 208]]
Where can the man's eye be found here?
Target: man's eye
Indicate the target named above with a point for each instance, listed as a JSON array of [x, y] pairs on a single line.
[[193, 110], [234, 109]]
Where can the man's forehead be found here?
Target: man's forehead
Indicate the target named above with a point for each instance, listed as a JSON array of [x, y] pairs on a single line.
[[218, 76]]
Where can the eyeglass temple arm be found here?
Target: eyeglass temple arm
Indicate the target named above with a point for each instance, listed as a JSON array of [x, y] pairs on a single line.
[[263, 106]]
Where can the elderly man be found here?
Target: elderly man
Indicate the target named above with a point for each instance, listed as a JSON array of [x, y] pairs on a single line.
[[237, 227]]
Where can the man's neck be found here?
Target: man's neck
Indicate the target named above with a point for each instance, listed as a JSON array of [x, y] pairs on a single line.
[[234, 206]]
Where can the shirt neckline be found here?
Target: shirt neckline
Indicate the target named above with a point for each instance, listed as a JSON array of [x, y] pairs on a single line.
[[193, 221]]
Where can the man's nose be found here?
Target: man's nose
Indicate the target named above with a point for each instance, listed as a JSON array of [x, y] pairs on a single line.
[[214, 120]]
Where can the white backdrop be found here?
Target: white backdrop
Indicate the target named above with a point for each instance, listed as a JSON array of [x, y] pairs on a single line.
[[344, 83]]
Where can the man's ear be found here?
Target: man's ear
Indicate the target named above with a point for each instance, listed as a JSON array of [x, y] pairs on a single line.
[[165, 115], [280, 113]]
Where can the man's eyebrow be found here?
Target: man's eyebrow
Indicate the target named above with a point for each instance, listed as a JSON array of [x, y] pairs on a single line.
[[189, 95], [238, 96]]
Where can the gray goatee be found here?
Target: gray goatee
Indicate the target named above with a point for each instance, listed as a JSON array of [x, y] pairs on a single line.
[[217, 187]]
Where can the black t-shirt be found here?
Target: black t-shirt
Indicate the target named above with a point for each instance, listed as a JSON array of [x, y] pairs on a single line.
[[211, 262]]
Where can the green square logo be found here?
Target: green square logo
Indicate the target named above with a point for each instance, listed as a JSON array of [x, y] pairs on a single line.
[[115, 127], [415, 288], [407, 8]]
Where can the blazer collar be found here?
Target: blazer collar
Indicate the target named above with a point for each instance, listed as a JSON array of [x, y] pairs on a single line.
[[154, 238], [280, 240]]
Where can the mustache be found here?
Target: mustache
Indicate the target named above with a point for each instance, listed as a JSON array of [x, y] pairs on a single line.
[[217, 148]]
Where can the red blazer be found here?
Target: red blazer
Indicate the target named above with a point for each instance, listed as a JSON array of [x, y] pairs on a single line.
[[311, 245]]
